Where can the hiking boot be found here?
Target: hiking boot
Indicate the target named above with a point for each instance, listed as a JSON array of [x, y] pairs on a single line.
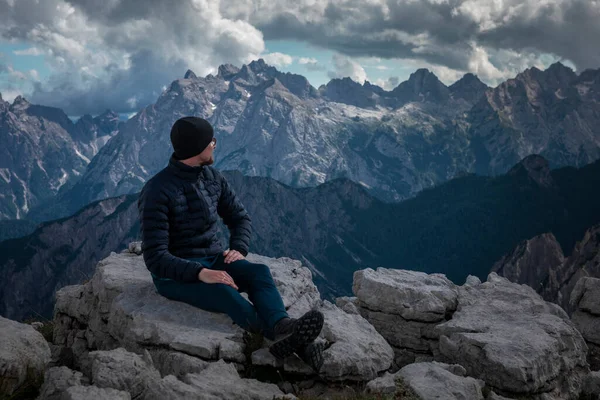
[[298, 333], [312, 355]]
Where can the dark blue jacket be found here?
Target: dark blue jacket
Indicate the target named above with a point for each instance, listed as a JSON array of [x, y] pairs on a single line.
[[179, 208]]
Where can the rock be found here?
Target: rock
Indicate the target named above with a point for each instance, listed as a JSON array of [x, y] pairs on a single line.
[[472, 281], [508, 336], [94, 392], [62, 383], [24, 354], [348, 304], [219, 380], [585, 300], [57, 380], [354, 350], [37, 325], [119, 308], [123, 370], [493, 396], [135, 247], [176, 363], [385, 384], [413, 295], [591, 386], [531, 261], [404, 307], [438, 381]]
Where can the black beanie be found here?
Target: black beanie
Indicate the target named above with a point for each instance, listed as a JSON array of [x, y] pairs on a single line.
[[190, 136]]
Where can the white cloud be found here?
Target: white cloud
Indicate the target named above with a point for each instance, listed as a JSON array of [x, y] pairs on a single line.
[[307, 60], [34, 75], [103, 55], [388, 84], [278, 59], [11, 94], [438, 32], [346, 67], [32, 51]]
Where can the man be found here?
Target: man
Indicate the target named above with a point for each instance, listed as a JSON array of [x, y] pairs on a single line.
[[179, 208]]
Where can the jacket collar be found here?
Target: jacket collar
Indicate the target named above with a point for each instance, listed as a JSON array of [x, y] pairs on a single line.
[[184, 171]]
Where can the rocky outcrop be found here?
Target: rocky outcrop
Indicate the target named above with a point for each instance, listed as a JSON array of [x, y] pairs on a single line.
[[585, 300], [540, 263], [404, 306], [431, 380], [189, 347], [519, 344], [24, 354], [501, 333], [531, 262]]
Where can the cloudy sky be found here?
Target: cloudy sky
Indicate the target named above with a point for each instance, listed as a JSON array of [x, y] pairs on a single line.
[[86, 55]]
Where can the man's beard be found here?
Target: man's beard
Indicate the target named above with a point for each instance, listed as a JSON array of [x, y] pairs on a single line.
[[209, 162]]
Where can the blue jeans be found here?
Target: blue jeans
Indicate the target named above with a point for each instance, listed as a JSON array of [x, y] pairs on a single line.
[[255, 279]]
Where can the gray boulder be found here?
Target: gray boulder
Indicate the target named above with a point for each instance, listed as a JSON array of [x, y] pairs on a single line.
[[119, 307], [435, 380], [585, 300], [24, 354], [404, 307], [508, 336]]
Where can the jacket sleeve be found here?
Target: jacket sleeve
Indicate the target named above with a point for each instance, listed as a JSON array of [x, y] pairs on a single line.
[[235, 217], [153, 207]]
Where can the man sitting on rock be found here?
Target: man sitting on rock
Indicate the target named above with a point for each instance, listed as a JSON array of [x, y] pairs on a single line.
[[179, 208]]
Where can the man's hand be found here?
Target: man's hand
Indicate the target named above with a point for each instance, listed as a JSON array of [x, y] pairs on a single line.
[[208, 275], [232, 255]]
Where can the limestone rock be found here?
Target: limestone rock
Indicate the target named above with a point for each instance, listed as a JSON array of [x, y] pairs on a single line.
[[24, 354], [94, 392], [123, 370], [354, 350], [219, 380], [404, 307], [438, 381], [585, 300], [411, 294], [591, 386], [508, 336], [57, 380], [135, 247]]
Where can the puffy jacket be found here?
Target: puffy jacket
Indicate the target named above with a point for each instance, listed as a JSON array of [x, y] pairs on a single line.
[[179, 208]]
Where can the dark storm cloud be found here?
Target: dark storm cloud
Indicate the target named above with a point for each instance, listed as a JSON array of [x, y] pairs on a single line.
[[440, 32]]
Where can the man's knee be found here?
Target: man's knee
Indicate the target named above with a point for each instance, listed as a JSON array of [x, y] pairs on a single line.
[[261, 269]]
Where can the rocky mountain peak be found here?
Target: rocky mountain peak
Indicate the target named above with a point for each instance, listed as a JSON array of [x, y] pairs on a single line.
[[469, 88], [190, 75], [347, 91], [374, 88], [422, 85], [19, 104], [298, 85], [227, 71], [108, 121], [536, 168]]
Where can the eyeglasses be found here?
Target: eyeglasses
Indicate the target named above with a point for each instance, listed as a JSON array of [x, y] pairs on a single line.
[[213, 142]]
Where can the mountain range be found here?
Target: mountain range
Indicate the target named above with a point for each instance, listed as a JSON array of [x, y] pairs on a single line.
[[44, 152], [458, 228], [394, 143]]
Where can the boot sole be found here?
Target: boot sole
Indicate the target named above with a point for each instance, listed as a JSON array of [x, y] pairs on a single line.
[[312, 355], [306, 330]]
